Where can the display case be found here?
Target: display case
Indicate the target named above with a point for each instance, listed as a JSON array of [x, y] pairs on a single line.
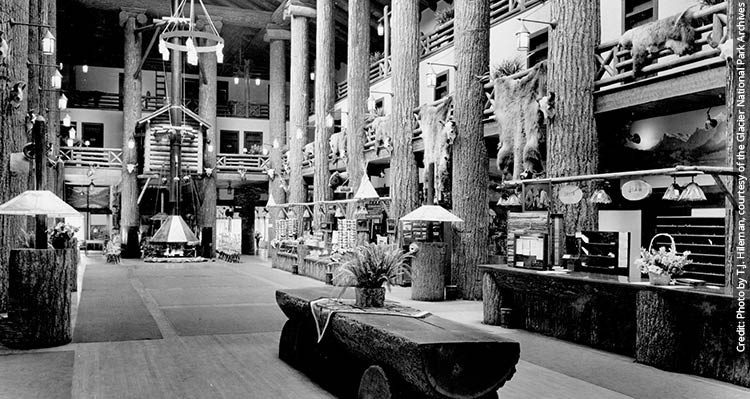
[[602, 252]]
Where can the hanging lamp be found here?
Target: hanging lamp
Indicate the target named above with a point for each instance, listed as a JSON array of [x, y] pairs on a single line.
[[673, 191], [692, 192], [181, 27]]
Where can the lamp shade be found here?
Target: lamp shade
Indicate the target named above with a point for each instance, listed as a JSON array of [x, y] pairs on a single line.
[[672, 193], [62, 102], [522, 38], [257, 81], [85, 68], [431, 213], [66, 120], [38, 202], [56, 80], [381, 29], [329, 121], [366, 189], [600, 197], [371, 103], [692, 192], [48, 43], [236, 80], [431, 79]]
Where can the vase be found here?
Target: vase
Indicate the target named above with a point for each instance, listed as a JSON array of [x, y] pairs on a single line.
[[659, 279], [369, 297]]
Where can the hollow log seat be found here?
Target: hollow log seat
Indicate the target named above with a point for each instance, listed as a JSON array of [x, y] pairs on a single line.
[[374, 355]]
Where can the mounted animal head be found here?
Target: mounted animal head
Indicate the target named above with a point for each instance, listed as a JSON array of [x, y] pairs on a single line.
[[547, 106], [16, 94], [338, 179]]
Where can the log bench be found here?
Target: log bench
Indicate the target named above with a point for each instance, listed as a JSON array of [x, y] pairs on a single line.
[[382, 356]]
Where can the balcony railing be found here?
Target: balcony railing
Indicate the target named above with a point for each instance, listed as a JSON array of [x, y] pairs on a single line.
[[442, 37], [91, 157], [241, 163], [616, 66], [242, 109]]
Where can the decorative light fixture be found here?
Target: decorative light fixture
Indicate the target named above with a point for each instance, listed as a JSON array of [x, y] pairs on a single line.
[[692, 192], [56, 80], [600, 197], [183, 28], [66, 120], [87, 143], [673, 191], [710, 122], [431, 78], [264, 151], [381, 29], [257, 81], [522, 36], [62, 102], [48, 43], [70, 142], [85, 68], [72, 133], [329, 120], [236, 80], [131, 143], [312, 75], [371, 103]]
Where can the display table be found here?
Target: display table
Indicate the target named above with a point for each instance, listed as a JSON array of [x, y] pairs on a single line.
[[407, 357], [677, 328]]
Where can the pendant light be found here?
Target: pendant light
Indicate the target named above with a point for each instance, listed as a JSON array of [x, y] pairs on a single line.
[[522, 38], [673, 191], [329, 120], [192, 53], [85, 68], [600, 196], [163, 50], [257, 81], [692, 192], [56, 80], [48, 43], [62, 102], [66, 120], [236, 80]]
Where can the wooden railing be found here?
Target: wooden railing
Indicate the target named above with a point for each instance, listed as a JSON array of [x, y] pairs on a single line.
[[241, 163], [616, 66], [91, 157], [442, 37], [241, 109]]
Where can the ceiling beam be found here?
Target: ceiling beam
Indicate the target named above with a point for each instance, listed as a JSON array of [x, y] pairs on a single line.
[[229, 15]]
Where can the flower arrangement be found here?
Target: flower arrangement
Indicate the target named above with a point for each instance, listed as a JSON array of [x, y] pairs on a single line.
[[62, 235], [372, 266], [662, 261]]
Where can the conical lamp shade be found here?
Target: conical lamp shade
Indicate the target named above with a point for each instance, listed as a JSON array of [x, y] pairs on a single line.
[[692, 192], [37, 202], [672, 193], [366, 189], [271, 201], [600, 197]]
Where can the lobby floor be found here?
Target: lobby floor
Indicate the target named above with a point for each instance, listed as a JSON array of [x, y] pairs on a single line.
[[211, 330]]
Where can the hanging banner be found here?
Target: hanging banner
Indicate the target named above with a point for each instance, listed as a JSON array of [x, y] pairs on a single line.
[[570, 194], [635, 190]]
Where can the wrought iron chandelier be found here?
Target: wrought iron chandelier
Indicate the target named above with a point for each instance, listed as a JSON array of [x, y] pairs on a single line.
[[183, 28]]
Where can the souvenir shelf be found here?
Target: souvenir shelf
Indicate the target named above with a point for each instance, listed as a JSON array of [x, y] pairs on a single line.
[[704, 238]]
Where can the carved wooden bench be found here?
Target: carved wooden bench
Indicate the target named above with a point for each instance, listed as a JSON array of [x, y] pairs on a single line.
[[382, 356]]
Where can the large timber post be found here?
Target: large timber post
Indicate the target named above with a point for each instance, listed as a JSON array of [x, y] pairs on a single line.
[[277, 114], [358, 80], [131, 111], [470, 174], [207, 111], [404, 174], [324, 100]]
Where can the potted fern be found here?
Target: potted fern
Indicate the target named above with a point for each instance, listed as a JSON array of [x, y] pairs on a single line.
[[369, 267]]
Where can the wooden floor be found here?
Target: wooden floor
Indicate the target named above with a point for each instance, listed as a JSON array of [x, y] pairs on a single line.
[[239, 357]]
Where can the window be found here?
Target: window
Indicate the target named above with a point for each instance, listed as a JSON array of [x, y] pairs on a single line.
[[537, 47], [253, 139], [229, 142], [94, 133], [441, 85], [190, 87], [638, 12]]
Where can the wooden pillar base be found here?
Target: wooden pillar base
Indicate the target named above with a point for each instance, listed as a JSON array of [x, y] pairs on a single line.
[[490, 300], [207, 242], [131, 246], [39, 296], [657, 336], [428, 272]]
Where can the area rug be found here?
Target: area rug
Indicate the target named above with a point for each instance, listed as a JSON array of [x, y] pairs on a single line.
[[47, 375], [111, 309]]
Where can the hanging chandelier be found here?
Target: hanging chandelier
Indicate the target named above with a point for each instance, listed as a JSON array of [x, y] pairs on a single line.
[[183, 28]]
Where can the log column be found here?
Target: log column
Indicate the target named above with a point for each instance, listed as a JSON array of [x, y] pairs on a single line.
[[358, 80], [131, 111], [299, 81], [404, 174], [207, 111], [324, 100], [277, 113], [470, 174]]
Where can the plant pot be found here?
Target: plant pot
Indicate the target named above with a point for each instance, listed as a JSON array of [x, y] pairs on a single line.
[[659, 279], [369, 297]]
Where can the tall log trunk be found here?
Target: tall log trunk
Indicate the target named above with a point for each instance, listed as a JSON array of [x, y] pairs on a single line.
[[572, 147], [277, 116], [12, 133], [404, 175], [131, 111], [358, 79], [49, 8], [470, 174], [299, 76], [207, 110], [324, 99]]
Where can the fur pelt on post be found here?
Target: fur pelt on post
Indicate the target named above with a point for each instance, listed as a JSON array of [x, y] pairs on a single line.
[[674, 32], [337, 143], [521, 122], [381, 126], [437, 135]]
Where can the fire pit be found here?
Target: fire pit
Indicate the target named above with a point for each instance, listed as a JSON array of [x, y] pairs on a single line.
[[174, 242]]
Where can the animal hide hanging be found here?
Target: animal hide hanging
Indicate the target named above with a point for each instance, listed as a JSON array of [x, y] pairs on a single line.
[[522, 124], [438, 135], [381, 126]]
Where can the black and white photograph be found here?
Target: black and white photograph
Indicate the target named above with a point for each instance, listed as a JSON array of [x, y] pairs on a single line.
[[374, 199]]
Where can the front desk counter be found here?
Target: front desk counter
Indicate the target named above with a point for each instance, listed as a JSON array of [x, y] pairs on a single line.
[[677, 328]]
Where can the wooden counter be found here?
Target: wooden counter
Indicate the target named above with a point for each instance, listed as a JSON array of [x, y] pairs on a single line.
[[676, 328]]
